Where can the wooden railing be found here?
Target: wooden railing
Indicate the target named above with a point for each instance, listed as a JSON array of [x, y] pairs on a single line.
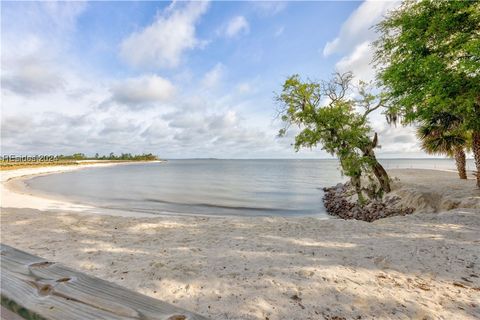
[[35, 288]]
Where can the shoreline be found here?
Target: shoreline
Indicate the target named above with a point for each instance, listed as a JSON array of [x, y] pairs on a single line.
[[13, 186], [15, 193]]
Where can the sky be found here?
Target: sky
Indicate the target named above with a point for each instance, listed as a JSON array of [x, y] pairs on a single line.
[[177, 79]]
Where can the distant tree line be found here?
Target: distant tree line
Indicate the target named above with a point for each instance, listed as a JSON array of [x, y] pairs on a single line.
[[111, 156]]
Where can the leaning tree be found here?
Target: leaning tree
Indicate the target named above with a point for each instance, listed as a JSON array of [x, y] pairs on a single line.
[[428, 61], [327, 115]]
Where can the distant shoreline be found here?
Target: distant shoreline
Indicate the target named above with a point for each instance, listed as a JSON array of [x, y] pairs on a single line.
[[14, 165]]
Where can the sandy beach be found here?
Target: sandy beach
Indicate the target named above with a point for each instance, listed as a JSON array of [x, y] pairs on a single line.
[[421, 266]]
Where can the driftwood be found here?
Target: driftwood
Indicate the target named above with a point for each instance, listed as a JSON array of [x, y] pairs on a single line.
[[35, 288]]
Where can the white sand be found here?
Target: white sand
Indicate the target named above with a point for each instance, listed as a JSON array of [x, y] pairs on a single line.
[[435, 190], [422, 266]]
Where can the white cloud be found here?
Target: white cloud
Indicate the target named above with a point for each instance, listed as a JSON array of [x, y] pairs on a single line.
[[397, 141], [30, 76], [163, 43], [34, 38], [157, 132], [269, 8], [141, 91], [54, 132], [213, 77], [34, 20], [221, 133], [358, 27], [353, 44], [38, 71], [359, 62], [236, 26], [355, 38]]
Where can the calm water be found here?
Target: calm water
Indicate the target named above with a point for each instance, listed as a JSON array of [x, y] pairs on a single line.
[[222, 187]]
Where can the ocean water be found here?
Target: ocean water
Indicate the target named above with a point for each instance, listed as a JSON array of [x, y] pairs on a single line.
[[216, 187]]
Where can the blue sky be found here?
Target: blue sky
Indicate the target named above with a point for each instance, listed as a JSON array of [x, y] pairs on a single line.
[[179, 79], [103, 26]]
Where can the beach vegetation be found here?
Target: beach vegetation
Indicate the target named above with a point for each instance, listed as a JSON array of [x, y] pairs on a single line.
[[427, 58], [326, 113], [443, 134], [111, 156]]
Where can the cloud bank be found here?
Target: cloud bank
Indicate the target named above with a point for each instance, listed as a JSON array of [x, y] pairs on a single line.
[[143, 91]]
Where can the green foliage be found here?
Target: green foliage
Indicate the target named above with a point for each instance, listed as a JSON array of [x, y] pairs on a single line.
[[75, 156], [428, 60], [326, 116], [442, 134], [111, 156]]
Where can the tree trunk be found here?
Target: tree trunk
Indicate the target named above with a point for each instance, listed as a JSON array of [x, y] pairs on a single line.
[[357, 184], [461, 162], [381, 175], [476, 153], [378, 170]]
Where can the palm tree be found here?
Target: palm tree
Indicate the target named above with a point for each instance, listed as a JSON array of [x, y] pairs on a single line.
[[444, 134]]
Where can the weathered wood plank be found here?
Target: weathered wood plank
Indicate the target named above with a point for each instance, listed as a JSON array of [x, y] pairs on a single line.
[[37, 288]]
